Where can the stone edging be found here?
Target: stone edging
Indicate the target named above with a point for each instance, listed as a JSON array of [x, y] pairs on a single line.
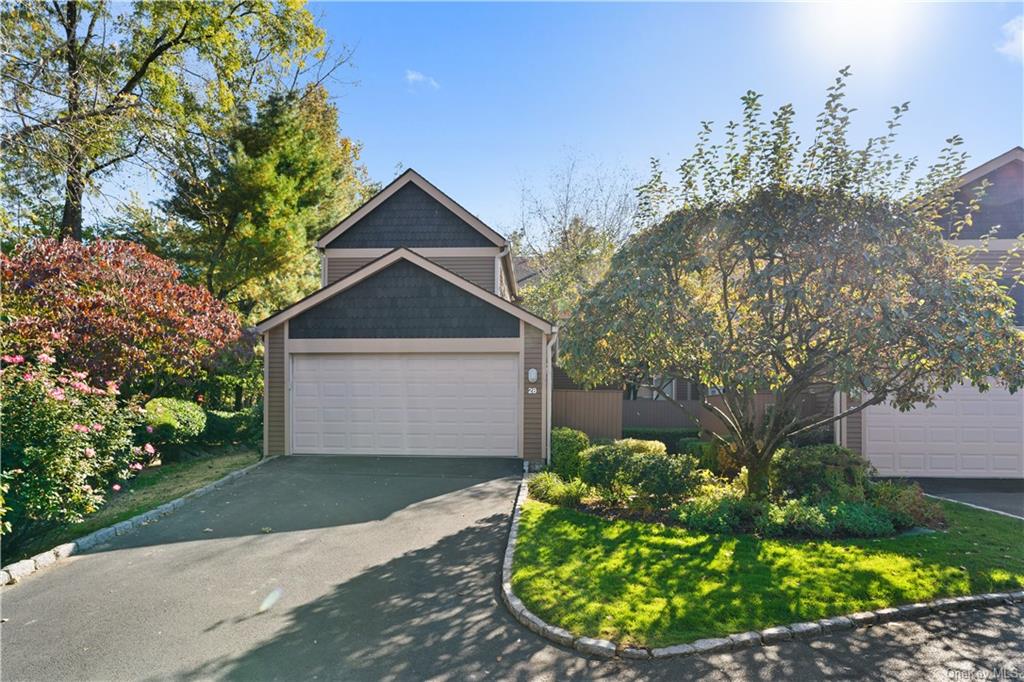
[[12, 573], [798, 631]]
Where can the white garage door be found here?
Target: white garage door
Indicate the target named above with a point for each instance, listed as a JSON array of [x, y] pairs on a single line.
[[406, 404], [967, 434]]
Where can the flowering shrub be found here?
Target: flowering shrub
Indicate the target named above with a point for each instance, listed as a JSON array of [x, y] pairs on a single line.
[[66, 443], [113, 309]]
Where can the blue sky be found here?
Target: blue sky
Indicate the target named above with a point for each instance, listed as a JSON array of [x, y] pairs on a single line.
[[486, 98]]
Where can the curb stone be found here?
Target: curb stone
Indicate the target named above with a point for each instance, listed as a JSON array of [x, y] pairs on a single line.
[[773, 635], [13, 573]]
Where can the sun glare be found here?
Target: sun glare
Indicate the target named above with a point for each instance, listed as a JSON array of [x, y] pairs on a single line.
[[865, 32]]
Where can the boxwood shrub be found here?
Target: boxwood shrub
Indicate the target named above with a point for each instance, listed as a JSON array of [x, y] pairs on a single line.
[[174, 421], [820, 473], [632, 467], [566, 446], [670, 437]]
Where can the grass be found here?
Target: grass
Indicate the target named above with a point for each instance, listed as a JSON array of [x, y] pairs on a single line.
[[151, 488], [651, 585]]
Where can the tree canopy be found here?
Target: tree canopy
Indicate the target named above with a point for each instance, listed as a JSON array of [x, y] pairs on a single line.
[[243, 214], [88, 86], [771, 270]]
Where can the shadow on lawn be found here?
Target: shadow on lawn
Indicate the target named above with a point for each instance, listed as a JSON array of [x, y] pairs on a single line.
[[647, 584], [434, 613]]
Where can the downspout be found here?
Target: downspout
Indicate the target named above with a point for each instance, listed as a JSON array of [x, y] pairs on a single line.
[[549, 372], [497, 268]]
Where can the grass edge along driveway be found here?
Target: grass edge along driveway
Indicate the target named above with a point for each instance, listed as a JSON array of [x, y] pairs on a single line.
[[651, 585], [151, 488]]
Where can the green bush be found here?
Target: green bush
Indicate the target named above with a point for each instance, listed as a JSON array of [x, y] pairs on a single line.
[[719, 507], [546, 486], [573, 492], [670, 437], [793, 518], [65, 444], [566, 446], [859, 520], [906, 504], [244, 426], [820, 473], [174, 421], [637, 446], [631, 467]]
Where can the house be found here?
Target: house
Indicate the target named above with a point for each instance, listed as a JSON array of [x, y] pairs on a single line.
[[413, 345], [967, 434]]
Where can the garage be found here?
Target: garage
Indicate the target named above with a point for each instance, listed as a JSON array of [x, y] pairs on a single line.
[[427, 404], [966, 434]]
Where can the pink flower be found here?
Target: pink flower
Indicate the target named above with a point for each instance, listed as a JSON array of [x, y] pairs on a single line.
[[13, 359], [79, 375], [87, 488], [115, 487], [97, 427], [89, 452], [46, 359], [149, 449], [137, 466], [56, 393], [28, 376], [79, 386], [149, 429], [81, 428]]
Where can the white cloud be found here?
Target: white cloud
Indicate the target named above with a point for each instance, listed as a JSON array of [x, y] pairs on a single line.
[[415, 78], [1013, 39]]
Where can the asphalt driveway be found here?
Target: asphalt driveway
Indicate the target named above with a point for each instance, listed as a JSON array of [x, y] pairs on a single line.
[[386, 569]]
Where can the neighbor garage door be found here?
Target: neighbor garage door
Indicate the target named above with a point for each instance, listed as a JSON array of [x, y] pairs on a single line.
[[406, 404], [966, 434]]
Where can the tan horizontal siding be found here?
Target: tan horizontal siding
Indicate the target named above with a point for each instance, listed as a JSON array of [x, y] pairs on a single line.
[[854, 432], [477, 269], [533, 421], [596, 413], [274, 391], [338, 267], [658, 414], [1011, 261]]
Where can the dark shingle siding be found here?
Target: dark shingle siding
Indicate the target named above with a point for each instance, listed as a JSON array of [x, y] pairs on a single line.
[[403, 301], [412, 218]]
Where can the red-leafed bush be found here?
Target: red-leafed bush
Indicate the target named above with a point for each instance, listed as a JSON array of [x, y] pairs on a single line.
[[113, 309]]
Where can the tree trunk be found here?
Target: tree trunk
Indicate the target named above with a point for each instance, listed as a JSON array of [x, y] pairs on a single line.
[[757, 476], [74, 184], [74, 188]]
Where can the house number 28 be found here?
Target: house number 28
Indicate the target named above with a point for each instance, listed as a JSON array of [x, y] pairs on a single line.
[[531, 390]]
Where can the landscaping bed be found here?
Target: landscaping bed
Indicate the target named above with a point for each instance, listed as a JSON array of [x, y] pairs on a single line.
[[152, 487], [648, 584]]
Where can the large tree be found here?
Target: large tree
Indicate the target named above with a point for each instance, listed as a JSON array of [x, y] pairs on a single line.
[[567, 234], [89, 86], [244, 211], [768, 270]]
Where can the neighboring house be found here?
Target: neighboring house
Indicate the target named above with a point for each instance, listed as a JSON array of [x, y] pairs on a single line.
[[413, 345], [967, 433]]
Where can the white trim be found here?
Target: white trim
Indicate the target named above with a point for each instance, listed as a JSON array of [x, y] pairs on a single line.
[[993, 245], [1015, 154], [428, 251], [522, 389], [421, 182], [416, 259], [549, 376], [287, 395], [468, 345]]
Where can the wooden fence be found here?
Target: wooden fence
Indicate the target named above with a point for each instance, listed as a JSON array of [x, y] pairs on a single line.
[[596, 413]]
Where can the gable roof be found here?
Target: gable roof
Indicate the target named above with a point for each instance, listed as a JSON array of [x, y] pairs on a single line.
[[383, 262], [1015, 154], [411, 176]]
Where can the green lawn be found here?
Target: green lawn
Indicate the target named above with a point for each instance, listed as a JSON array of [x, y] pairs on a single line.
[[151, 488], [652, 585]]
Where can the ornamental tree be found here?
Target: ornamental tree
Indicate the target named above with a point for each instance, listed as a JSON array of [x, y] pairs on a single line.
[[768, 270], [112, 309]]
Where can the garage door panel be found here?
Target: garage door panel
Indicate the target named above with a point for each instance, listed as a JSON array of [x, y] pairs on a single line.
[[425, 404], [967, 433]]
